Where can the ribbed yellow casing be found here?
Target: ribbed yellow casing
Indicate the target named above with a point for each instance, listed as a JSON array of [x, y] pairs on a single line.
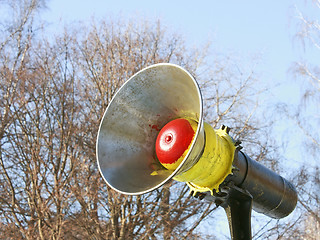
[[214, 165]]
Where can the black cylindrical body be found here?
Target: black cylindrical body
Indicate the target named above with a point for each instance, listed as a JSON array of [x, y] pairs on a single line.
[[272, 194]]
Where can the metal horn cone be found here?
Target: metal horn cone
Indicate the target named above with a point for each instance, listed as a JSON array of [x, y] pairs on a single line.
[[128, 131]]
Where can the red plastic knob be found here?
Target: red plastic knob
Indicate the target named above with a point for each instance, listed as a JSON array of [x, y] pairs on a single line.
[[173, 141]]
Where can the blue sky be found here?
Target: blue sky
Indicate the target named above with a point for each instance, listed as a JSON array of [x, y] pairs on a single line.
[[246, 27]]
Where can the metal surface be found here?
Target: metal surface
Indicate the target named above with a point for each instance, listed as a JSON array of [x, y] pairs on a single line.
[[127, 133], [272, 194]]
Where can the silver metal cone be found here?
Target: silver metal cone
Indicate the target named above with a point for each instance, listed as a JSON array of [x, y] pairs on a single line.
[[128, 131]]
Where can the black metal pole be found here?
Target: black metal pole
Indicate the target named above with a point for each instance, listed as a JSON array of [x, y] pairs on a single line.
[[238, 207]]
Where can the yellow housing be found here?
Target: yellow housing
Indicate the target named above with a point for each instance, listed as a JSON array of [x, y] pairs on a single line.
[[214, 165]]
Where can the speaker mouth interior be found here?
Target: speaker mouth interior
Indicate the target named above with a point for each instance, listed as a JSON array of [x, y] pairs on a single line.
[[130, 125]]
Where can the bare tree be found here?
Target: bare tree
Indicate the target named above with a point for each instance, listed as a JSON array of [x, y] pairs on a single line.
[[306, 119], [54, 94]]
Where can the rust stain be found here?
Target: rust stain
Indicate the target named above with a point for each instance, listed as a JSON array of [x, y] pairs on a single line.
[[155, 127]]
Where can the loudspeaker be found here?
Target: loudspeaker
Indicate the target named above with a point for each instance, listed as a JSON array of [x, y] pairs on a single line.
[[129, 128], [213, 166]]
